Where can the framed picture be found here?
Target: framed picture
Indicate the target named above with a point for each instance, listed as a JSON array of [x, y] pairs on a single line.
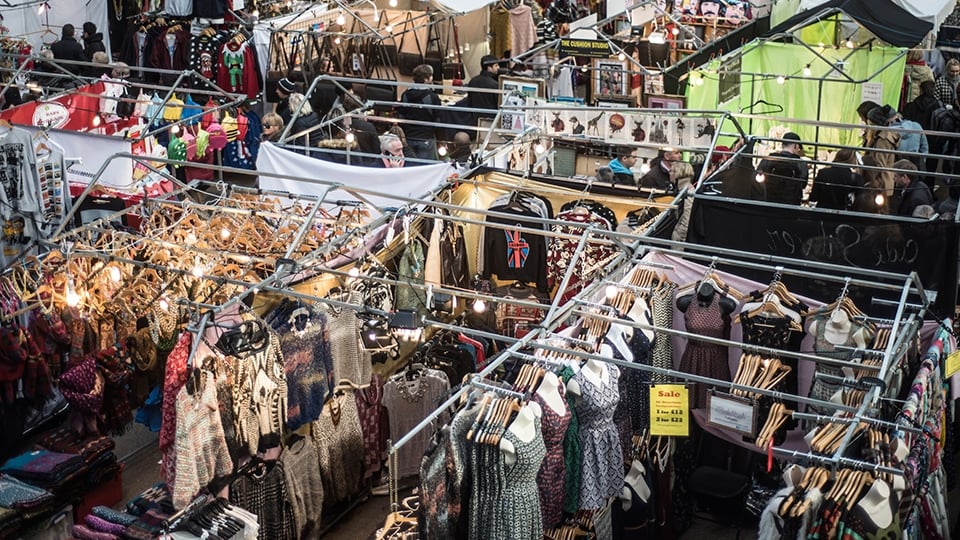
[[665, 101], [610, 78], [517, 91], [529, 88], [616, 102]]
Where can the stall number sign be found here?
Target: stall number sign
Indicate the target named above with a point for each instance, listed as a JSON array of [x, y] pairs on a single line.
[[953, 363], [669, 410]]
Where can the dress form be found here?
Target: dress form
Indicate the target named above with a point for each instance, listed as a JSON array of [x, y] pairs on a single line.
[[618, 336], [838, 328], [640, 313], [596, 372], [524, 426], [876, 504], [549, 390]]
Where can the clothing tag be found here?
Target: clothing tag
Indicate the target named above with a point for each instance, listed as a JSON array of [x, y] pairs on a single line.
[[952, 363]]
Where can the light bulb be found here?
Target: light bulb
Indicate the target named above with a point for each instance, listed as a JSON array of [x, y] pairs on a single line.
[[114, 274], [806, 70], [341, 20], [336, 40], [760, 178], [539, 148], [645, 168], [224, 233], [392, 3], [43, 8], [879, 199], [675, 31], [197, 270], [164, 303], [479, 305], [71, 296], [611, 291], [442, 151], [191, 238], [849, 44], [175, 130], [350, 137], [354, 272], [95, 121], [389, 28], [584, 69], [621, 57], [781, 79]]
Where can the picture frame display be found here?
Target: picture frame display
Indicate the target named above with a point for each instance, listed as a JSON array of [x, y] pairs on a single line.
[[610, 78], [665, 101], [517, 90]]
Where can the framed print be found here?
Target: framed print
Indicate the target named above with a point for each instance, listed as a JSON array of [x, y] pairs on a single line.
[[653, 83], [517, 90], [529, 88], [617, 126], [665, 101], [610, 78], [733, 413]]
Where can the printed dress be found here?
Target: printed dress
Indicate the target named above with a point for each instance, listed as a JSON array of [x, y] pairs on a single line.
[[602, 468], [701, 358], [520, 517], [552, 471]]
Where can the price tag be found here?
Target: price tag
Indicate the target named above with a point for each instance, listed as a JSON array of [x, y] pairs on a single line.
[[953, 363], [669, 410]]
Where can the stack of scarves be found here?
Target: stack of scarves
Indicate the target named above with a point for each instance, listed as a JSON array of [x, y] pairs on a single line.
[[24, 501], [151, 507], [95, 451], [44, 468]]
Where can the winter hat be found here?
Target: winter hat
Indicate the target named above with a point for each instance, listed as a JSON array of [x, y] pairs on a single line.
[[881, 116], [191, 145], [142, 105], [209, 114], [229, 124], [177, 149], [174, 109], [489, 60], [191, 111], [287, 86], [218, 139], [203, 141], [154, 108]]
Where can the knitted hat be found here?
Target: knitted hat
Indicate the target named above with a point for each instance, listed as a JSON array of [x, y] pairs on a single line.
[[177, 149], [881, 116], [154, 108], [218, 138], [191, 145], [229, 124], [203, 141], [287, 86], [191, 111], [142, 105], [174, 109], [209, 114]]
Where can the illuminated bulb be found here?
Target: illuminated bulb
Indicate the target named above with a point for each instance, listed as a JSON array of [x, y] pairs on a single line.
[[336, 40], [879, 199], [350, 137], [341, 20], [479, 305], [71, 296], [675, 31], [224, 233], [539, 148], [442, 151], [353, 272], [584, 69], [197, 268], [175, 130], [114, 274], [760, 178], [95, 122], [164, 303], [849, 44], [43, 7], [781, 79], [621, 57], [191, 238], [389, 28], [392, 3], [645, 168], [611, 291], [255, 14], [699, 82], [806, 70]]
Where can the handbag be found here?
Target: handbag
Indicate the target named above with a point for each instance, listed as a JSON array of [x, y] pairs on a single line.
[[454, 70]]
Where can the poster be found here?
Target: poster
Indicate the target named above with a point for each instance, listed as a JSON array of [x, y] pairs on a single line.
[[669, 410], [871, 91]]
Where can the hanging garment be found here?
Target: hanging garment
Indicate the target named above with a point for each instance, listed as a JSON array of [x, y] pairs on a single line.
[[202, 453], [55, 199], [339, 443], [823, 389], [561, 251], [261, 490], [373, 423], [349, 362], [260, 396], [408, 401], [514, 254], [552, 471], [308, 366], [500, 32], [519, 516], [175, 376], [238, 69], [411, 269], [602, 468], [775, 333], [523, 29], [661, 306], [572, 451], [702, 358], [304, 487]]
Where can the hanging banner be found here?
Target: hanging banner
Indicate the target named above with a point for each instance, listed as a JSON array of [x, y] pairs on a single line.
[[729, 84], [669, 410], [585, 48]]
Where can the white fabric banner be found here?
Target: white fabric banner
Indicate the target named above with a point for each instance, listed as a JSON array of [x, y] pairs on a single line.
[[30, 22], [412, 182], [90, 153]]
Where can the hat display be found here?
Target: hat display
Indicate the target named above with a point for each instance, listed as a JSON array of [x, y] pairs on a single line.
[[177, 149], [190, 142], [229, 124], [288, 86], [191, 111], [218, 138], [174, 109]]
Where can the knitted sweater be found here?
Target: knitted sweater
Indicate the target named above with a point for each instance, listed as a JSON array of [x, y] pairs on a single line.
[[260, 397], [202, 453], [304, 487], [307, 363]]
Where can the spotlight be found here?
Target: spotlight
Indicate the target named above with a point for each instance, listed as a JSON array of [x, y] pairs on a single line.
[[675, 31], [71, 296], [350, 137], [760, 178], [611, 291], [621, 57], [539, 148], [442, 151], [479, 305], [114, 274], [388, 28], [850, 44], [781, 79], [354, 272], [392, 3], [879, 199], [806, 70], [341, 20]]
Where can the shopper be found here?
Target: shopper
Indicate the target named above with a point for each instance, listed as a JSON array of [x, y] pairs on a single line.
[[272, 127], [883, 144], [913, 142], [682, 175], [391, 148], [421, 137], [485, 81], [920, 109], [461, 150], [871, 198], [305, 120], [285, 87], [92, 41], [101, 66], [784, 174], [912, 192], [659, 174], [835, 187], [69, 49], [947, 83], [622, 166], [950, 204]]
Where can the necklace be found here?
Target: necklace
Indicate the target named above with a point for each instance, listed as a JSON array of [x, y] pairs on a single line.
[[413, 390]]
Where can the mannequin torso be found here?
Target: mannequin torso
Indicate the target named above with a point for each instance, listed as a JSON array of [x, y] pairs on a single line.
[[524, 427], [549, 390]]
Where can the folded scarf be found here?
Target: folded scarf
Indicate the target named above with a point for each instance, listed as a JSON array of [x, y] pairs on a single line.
[[103, 525], [113, 516], [20, 495], [81, 532]]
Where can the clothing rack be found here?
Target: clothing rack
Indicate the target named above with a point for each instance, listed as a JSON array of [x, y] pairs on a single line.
[[477, 382]]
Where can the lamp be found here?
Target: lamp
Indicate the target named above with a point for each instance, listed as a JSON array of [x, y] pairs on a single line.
[[406, 324]]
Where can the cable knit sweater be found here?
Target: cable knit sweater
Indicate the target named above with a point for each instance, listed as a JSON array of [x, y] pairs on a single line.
[[260, 397], [175, 376], [202, 453], [523, 28]]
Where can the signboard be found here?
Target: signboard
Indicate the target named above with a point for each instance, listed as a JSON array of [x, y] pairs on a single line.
[[871, 91], [729, 80], [590, 48], [669, 410], [726, 411], [953, 363]]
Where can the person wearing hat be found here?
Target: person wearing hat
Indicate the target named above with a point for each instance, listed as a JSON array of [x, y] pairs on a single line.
[[92, 41], [783, 173], [911, 190], [285, 87], [883, 144], [69, 49], [485, 80]]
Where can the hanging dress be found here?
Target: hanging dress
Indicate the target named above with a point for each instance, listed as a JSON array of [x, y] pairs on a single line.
[[701, 358], [602, 468], [553, 426], [519, 516], [822, 389]]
